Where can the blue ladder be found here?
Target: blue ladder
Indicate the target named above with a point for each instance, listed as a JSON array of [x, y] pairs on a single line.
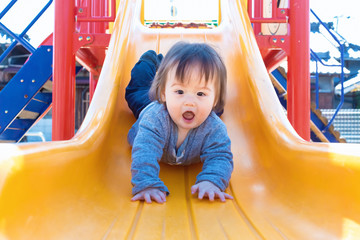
[[319, 132], [27, 95]]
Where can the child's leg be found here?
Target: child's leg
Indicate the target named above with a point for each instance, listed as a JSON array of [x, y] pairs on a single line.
[[142, 74]]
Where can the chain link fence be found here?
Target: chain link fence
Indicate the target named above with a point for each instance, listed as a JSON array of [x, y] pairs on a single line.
[[347, 123]]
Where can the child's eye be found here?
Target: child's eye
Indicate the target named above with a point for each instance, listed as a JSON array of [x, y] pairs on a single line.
[[201, 94], [179, 91]]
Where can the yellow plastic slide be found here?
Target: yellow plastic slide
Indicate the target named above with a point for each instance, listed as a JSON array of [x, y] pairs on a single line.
[[283, 187]]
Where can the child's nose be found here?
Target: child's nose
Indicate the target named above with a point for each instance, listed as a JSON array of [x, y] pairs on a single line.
[[189, 101]]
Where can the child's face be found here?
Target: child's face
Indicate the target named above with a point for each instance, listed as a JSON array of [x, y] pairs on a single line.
[[189, 103]]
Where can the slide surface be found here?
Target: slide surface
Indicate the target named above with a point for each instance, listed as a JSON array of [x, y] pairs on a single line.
[[283, 187]]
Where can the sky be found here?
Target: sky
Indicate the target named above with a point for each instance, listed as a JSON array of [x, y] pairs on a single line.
[[346, 14], [22, 13]]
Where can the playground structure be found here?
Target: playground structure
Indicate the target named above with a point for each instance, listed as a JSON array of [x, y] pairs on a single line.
[[284, 187], [84, 36]]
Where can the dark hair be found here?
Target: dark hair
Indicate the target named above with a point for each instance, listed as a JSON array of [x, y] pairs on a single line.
[[184, 56]]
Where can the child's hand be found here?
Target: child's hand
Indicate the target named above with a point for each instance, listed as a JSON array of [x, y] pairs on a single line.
[[206, 188], [150, 193]]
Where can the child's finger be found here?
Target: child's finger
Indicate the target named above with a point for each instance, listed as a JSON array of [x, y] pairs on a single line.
[[147, 197], [136, 197], [211, 195], [194, 188], [157, 197], [163, 196], [201, 194], [221, 196], [228, 196]]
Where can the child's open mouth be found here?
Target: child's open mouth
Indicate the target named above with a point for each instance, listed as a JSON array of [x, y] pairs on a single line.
[[188, 115]]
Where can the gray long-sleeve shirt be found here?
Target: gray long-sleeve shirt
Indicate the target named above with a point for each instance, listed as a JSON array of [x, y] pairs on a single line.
[[153, 139]]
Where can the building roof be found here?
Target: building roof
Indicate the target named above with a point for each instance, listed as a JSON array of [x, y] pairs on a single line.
[[321, 42], [351, 85], [354, 54], [321, 68], [331, 67]]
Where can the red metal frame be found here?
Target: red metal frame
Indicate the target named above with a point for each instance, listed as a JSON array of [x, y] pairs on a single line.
[[79, 33], [95, 11], [63, 119], [280, 15], [298, 68], [294, 46], [70, 40]]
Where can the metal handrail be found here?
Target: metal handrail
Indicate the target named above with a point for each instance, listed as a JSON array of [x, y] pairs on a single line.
[[314, 55], [7, 8], [279, 15], [20, 38], [317, 60], [341, 65], [86, 9]]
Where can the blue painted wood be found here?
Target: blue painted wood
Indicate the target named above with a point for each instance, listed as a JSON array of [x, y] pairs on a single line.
[[282, 80], [321, 125], [23, 93], [12, 135], [44, 97], [36, 106], [22, 124]]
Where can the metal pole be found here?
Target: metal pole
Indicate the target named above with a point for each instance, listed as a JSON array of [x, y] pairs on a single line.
[[63, 126], [298, 68], [96, 27], [258, 8]]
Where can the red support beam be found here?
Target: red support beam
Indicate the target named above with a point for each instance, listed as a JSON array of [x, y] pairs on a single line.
[[63, 126], [298, 68], [85, 10], [98, 28], [258, 14], [273, 59], [87, 40], [268, 43]]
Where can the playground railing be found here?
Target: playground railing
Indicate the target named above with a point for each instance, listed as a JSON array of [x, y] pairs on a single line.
[[21, 37], [255, 10], [95, 11], [81, 27], [341, 65]]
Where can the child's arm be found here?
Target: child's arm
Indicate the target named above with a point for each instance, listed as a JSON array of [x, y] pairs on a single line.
[[150, 193], [209, 190], [217, 160], [147, 150]]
